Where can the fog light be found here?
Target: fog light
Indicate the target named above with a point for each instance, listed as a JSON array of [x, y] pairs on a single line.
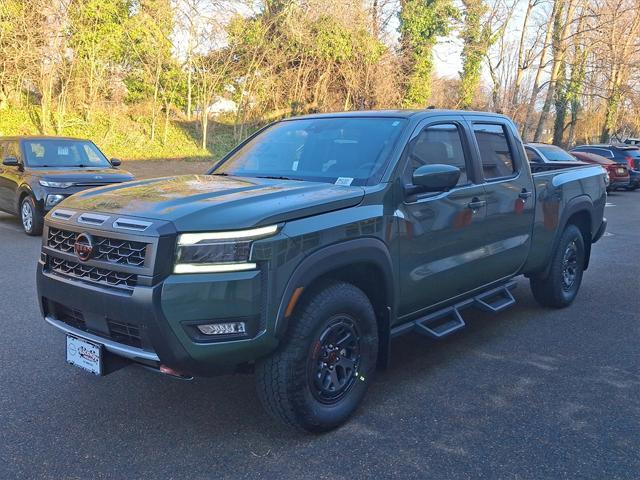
[[53, 200], [223, 328]]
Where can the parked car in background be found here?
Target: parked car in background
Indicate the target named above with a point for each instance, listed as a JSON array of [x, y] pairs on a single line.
[[620, 153], [543, 156], [618, 172], [37, 173], [632, 141]]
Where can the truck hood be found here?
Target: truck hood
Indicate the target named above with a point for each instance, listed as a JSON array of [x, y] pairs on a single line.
[[82, 175], [205, 202]]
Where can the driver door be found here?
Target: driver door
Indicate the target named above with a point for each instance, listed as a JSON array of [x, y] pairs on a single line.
[[441, 233]]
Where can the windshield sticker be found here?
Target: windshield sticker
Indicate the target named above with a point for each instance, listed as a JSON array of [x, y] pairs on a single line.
[[63, 150], [395, 124], [295, 166], [344, 181]]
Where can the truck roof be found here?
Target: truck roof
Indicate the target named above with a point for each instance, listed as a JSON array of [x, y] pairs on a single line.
[[398, 113], [40, 137]]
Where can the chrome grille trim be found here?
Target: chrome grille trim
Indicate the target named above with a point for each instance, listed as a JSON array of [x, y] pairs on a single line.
[[109, 250], [88, 273]]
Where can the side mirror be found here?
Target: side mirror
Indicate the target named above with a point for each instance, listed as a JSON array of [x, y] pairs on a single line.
[[115, 162], [436, 178], [10, 162]]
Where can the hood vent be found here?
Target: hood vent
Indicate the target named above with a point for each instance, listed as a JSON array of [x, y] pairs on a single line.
[[131, 224], [92, 219], [63, 214]]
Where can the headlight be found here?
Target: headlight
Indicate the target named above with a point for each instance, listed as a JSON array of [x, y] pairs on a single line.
[[53, 200], [47, 183], [218, 251]]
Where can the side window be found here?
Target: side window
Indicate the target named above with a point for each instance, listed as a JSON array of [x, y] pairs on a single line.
[[532, 155], [92, 155], [12, 149], [495, 154], [440, 143], [602, 152]]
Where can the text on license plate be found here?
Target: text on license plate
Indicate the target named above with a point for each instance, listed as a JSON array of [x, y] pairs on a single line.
[[84, 354]]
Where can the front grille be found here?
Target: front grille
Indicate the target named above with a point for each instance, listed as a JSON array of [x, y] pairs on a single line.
[[121, 332], [110, 250], [70, 316], [88, 273], [125, 333]]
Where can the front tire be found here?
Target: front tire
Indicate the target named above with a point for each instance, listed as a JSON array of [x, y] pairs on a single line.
[[320, 374], [560, 287], [32, 219]]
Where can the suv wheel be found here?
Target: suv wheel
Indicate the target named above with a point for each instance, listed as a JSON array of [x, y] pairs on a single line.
[[319, 376], [560, 287], [31, 217]]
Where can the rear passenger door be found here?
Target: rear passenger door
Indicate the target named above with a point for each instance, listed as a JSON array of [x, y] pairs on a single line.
[[510, 196]]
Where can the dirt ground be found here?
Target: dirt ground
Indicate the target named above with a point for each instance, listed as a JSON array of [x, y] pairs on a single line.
[[163, 168]]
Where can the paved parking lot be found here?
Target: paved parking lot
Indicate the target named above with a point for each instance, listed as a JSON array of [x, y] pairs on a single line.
[[531, 393]]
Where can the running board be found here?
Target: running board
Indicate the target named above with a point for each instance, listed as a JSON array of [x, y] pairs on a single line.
[[444, 322]]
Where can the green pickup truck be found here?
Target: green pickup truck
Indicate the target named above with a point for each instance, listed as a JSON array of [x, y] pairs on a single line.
[[307, 248]]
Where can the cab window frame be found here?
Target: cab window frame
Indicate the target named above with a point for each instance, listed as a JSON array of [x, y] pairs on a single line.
[[405, 174], [515, 158]]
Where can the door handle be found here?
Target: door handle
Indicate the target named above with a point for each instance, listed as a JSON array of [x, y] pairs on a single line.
[[476, 203], [524, 194]]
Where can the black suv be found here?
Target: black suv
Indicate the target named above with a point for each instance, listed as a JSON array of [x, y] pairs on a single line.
[[621, 153], [37, 173]]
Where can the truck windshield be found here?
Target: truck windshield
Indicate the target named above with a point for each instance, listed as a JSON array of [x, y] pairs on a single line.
[[55, 152], [556, 154], [345, 150]]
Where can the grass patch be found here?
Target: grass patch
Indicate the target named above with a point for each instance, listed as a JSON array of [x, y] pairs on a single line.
[[128, 137]]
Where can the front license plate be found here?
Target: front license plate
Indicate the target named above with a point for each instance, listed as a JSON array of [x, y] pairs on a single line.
[[621, 171], [84, 354]]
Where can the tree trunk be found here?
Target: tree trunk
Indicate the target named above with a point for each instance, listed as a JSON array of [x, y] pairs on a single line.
[[166, 124], [560, 27], [520, 67], [537, 83], [204, 123], [189, 89], [154, 113], [560, 106]]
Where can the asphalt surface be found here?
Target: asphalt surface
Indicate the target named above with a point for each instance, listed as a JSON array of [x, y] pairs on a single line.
[[531, 393]]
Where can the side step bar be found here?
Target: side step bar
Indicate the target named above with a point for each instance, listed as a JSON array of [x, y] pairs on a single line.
[[444, 322]]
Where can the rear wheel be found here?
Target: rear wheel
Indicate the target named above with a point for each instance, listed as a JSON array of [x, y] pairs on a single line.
[[32, 219], [560, 287], [319, 376]]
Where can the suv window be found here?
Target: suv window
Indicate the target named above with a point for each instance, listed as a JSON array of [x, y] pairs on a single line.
[[12, 149], [603, 152], [441, 143], [495, 154]]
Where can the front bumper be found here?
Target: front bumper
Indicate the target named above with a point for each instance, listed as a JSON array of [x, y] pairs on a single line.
[[162, 317]]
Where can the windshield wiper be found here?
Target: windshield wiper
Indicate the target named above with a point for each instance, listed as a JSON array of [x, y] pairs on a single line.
[[221, 174], [274, 177]]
